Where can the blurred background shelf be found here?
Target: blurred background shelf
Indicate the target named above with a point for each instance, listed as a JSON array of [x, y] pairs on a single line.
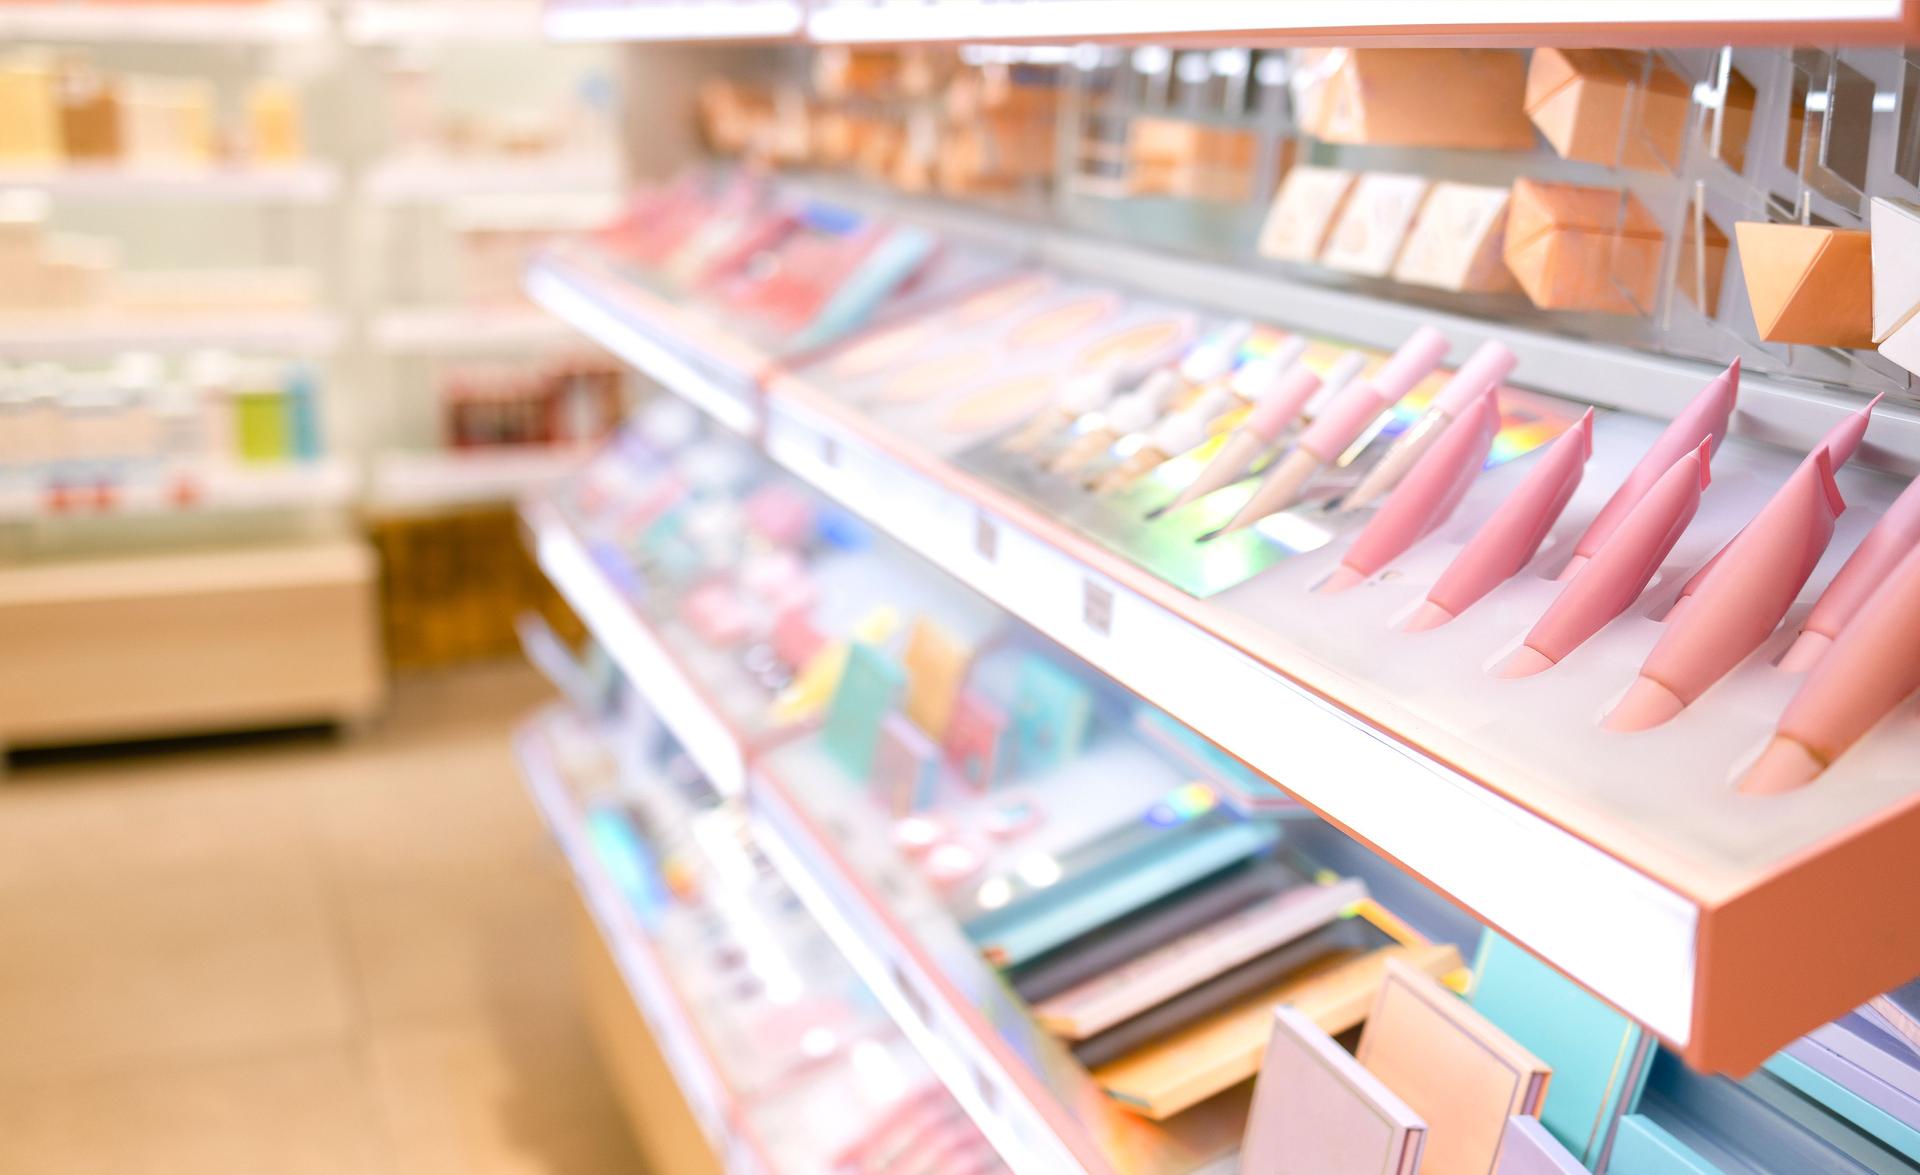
[[272, 22], [426, 178], [676, 20], [304, 183], [291, 334], [321, 484], [407, 481], [400, 22], [460, 330]]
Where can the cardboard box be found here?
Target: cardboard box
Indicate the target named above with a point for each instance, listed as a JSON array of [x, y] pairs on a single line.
[[1573, 247]]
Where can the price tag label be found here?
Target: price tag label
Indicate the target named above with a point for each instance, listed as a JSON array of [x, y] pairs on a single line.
[[1096, 607], [986, 537]]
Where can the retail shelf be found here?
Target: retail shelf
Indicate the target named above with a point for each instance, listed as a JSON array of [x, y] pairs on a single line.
[[1474, 22], [413, 22], [675, 20], [107, 334], [428, 178], [1666, 939], [462, 330], [692, 1062], [715, 747], [301, 183], [263, 22], [402, 481], [213, 489]]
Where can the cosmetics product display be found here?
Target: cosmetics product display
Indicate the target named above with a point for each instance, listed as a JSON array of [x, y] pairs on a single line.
[[559, 402], [1330, 610]]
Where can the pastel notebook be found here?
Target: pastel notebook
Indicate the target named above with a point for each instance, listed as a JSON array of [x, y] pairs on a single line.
[[1186, 1067], [1528, 1149], [936, 663], [1599, 1058], [976, 739], [906, 767], [869, 688], [1051, 712], [1190, 960], [1643, 1147], [1317, 1111], [1165, 920], [1453, 1066]]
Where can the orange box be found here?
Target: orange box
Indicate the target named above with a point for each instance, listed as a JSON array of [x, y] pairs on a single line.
[[1580, 248], [1462, 98], [1809, 283], [1611, 106]]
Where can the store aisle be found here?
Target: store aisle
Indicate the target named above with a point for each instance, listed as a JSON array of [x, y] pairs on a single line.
[[302, 955]]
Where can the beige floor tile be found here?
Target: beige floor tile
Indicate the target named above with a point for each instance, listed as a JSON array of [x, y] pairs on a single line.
[[484, 1100], [173, 966], [302, 1112]]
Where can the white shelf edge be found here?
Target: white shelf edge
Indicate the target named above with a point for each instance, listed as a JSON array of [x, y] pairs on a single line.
[[639, 964], [267, 23], [295, 334], [675, 20], [324, 483], [411, 22], [646, 663], [298, 183], [458, 330], [962, 1063], [412, 480]]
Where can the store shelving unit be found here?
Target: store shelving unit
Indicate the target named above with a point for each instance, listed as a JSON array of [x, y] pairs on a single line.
[[270, 22], [412, 22], [315, 485], [105, 335], [302, 183], [461, 330], [676, 20], [402, 480], [417, 179]]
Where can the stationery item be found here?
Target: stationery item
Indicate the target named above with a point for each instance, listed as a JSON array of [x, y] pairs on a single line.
[[1317, 1111], [1079, 395], [1750, 588], [796, 640], [1896, 284], [1374, 224], [1080, 903], [906, 767], [1878, 553], [1512, 534], [1644, 1147], [869, 688], [976, 739], [779, 513], [1457, 242], [1305, 209], [1176, 157], [1609, 106], [1619, 571], [1184, 430], [1214, 359], [886, 267], [1704, 419], [1276, 409], [1428, 497], [1583, 248], [936, 666], [1462, 98], [1808, 283], [1872, 667], [1900, 1008], [1051, 712], [1191, 960], [1477, 377], [1112, 946], [1599, 1057], [1223, 1048], [1334, 429], [1453, 1066], [1526, 1148], [1131, 412], [715, 614]]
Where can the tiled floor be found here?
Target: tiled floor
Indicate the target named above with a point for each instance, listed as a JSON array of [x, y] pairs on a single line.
[[309, 955]]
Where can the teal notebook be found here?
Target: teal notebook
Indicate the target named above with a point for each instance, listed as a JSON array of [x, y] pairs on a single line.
[[1642, 1147], [1599, 1057], [869, 689]]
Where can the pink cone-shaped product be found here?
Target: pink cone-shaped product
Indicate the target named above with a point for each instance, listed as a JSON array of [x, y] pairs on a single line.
[[1613, 579], [1427, 498], [1478, 376], [1513, 533], [1897, 532], [1872, 667], [1737, 605], [1840, 443], [1277, 408], [1704, 419], [1342, 422]]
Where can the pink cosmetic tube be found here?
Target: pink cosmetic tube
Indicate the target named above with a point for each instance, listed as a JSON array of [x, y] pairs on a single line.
[[1511, 536], [1872, 667], [1618, 572], [1840, 443], [1428, 497], [1897, 532], [1704, 419], [1279, 407], [1478, 376], [1737, 605]]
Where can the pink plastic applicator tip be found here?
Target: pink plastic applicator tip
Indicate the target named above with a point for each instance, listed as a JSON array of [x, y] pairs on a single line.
[[1571, 569], [1343, 577], [1428, 616], [1646, 705], [1784, 766], [1524, 661], [1806, 651]]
